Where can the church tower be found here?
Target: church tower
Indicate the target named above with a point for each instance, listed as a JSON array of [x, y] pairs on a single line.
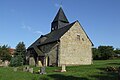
[[59, 21]]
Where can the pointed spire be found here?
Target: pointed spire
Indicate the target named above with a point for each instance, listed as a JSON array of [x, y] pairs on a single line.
[[59, 21], [60, 16]]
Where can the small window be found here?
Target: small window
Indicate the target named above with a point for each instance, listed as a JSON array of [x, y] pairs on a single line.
[[78, 37], [82, 39]]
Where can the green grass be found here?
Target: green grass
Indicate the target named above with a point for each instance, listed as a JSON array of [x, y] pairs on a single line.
[[96, 71]]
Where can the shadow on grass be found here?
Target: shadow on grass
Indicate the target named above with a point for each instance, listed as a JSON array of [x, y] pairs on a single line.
[[63, 77], [104, 75], [114, 63]]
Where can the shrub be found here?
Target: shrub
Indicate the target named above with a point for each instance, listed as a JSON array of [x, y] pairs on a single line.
[[103, 53], [21, 50], [16, 61], [5, 53]]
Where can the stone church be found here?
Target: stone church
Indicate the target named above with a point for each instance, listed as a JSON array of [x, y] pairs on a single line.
[[66, 44]]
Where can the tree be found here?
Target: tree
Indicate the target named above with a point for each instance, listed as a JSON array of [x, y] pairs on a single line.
[[5, 53], [16, 61], [96, 54], [106, 52], [19, 55], [117, 52], [103, 52], [21, 50]]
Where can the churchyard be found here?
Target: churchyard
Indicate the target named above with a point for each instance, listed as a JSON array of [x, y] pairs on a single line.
[[99, 70]]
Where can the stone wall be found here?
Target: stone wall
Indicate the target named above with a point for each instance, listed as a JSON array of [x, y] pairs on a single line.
[[75, 47]]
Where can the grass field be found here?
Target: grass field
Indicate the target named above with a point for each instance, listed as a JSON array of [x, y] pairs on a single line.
[[96, 71]]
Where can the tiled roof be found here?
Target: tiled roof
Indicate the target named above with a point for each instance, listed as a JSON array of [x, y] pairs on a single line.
[[12, 50]]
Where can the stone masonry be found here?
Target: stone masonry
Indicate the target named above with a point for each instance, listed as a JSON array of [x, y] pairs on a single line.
[[75, 47]]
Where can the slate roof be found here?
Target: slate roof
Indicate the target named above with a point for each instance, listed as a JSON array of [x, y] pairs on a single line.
[[55, 35], [52, 36], [61, 16]]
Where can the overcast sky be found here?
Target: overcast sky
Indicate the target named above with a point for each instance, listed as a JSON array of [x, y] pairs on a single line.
[[26, 20]]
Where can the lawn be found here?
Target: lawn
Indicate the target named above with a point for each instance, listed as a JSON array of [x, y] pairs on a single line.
[[96, 71]]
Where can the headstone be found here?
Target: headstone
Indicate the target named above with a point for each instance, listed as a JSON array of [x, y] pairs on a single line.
[[31, 70], [6, 63], [39, 64], [26, 68], [63, 68], [42, 70], [15, 69], [32, 61], [1, 63]]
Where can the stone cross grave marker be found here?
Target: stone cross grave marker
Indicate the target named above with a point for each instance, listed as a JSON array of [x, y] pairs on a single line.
[[42, 70]]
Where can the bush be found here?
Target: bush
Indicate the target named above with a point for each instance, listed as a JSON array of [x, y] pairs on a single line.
[[111, 69], [6, 57], [5, 53], [103, 53], [16, 61]]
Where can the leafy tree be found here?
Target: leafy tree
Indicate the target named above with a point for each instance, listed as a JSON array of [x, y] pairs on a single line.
[[5, 53], [103, 52], [106, 52], [117, 52], [96, 54]]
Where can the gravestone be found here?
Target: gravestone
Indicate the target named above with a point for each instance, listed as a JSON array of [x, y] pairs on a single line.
[[26, 68], [63, 68], [31, 70], [42, 70], [32, 61], [1, 63], [6, 63], [39, 64], [15, 69]]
